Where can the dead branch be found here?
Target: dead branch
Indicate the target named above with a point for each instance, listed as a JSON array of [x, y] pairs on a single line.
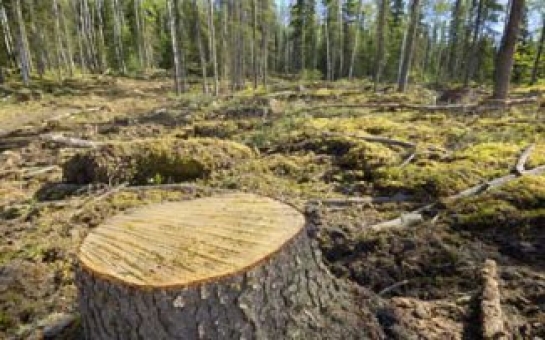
[[521, 162], [374, 139], [398, 198], [406, 220], [491, 313], [36, 172], [415, 216], [70, 141], [100, 197], [408, 159], [392, 287]]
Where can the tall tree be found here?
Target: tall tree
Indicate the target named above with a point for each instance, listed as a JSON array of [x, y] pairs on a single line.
[[504, 59], [200, 46], [212, 30], [359, 20], [175, 46], [23, 53], [535, 68], [473, 53], [379, 54], [456, 19], [409, 46]]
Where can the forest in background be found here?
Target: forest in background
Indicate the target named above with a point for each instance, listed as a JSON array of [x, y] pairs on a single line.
[[226, 43]]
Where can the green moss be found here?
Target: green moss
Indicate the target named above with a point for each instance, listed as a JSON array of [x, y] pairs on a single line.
[[514, 208], [143, 162], [217, 129], [6, 321], [369, 157]]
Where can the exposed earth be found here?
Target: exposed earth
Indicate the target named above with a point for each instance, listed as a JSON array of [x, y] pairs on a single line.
[[315, 147]]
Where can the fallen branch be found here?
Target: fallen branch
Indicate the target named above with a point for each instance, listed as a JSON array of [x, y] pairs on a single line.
[[392, 287], [415, 217], [360, 200], [95, 199], [374, 139], [521, 162], [408, 159], [70, 141], [403, 221], [491, 313], [36, 172]]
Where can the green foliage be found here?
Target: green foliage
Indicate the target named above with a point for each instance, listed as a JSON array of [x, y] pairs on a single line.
[[311, 75]]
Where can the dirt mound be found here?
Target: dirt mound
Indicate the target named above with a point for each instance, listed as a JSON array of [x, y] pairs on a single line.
[[154, 161]]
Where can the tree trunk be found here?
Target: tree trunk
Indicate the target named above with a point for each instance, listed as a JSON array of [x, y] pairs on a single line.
[[59, 49], [409, 47], [8, 39], [504, 59], [264, 41], [118, 38], [202, 56], [38, 41], [328, 52], [473, 54], [341, 39], [254, 43], [356, 40], [535, 69], [101, 48], [379, 55], [212, 29], [203, 269], [175, 47], [68, 41], [140, 34], [453, 39], [24, 59]]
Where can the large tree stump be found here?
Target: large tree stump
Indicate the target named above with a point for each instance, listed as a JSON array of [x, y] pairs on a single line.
[[234, 266]]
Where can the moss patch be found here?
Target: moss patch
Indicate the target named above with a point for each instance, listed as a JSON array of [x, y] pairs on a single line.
[[154, 161]]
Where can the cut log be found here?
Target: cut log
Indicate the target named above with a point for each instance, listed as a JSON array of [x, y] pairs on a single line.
[[491, 313], [70, 141], [234, 266]]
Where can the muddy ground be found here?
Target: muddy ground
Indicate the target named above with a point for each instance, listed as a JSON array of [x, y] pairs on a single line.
[[304, 144]]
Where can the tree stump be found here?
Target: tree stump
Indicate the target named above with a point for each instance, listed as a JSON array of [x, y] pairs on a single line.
[[233, 266]]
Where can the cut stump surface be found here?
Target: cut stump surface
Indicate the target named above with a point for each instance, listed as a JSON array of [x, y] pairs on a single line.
[[182, 243], [233, 266]]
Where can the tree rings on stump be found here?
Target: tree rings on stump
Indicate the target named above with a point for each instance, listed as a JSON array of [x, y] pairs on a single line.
[[233, 266]]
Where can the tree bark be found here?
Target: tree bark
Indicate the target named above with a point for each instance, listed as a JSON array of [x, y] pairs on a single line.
[[212, 29], [202, 56], [24, 58], [264, 41], [356, 41], [175, 47], [409, 47], [118, 38], [379, 55], [535, 69], [453, 39], [473, 54], [504, 59], [135, 291]]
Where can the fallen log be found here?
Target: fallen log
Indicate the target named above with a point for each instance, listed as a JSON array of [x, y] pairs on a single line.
[[70, 141], [472, 107], [348, 201], [493, 326], [223, 267], [415, 217], [374, 139]]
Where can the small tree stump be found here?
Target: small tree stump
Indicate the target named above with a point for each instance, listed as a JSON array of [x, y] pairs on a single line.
[[234, 266]]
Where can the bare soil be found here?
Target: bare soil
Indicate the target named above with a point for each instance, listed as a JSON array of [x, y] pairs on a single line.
[[428, 274]]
